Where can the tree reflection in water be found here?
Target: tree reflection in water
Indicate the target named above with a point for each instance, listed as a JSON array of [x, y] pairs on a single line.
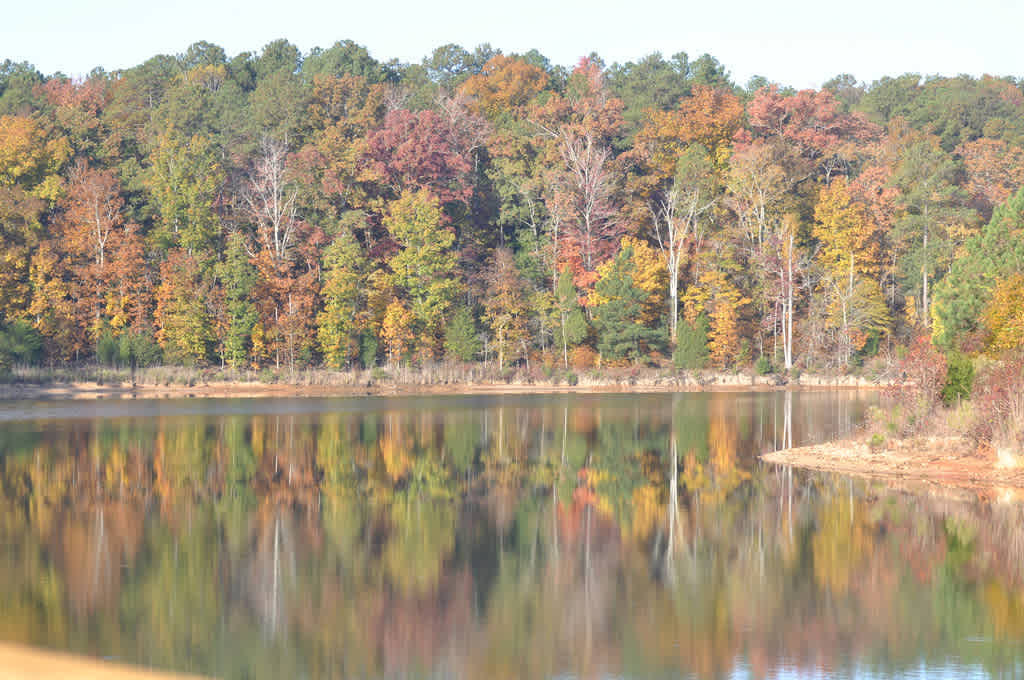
[[495, 537]]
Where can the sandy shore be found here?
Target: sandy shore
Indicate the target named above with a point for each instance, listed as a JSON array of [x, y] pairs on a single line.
[[18, 662], [680, 383], [939, 461]]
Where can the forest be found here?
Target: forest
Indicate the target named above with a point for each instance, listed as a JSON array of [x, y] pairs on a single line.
[[281, 210]]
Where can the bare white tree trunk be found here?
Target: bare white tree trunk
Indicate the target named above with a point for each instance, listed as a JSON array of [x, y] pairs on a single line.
[[676, 216], [270, 199]]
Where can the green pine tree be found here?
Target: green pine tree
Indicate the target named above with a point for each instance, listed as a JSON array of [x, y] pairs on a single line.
[[460, 341], [692, 343], [237, 276], [621, 334]]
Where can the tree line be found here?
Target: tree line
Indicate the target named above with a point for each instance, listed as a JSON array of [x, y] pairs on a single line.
[[284, 209]]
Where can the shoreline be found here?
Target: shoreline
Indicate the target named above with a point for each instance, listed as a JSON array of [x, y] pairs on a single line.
[[350, 387], [24, 661], [939, 463]]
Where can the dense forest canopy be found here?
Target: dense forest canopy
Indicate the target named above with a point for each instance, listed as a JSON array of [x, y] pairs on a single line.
[[290, 209]]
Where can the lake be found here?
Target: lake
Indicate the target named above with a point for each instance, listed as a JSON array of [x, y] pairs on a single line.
[[525, 536]]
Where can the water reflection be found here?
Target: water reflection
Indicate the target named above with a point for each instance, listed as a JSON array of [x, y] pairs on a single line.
[[632, 536]]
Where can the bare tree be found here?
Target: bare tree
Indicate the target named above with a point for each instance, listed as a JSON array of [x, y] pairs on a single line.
[[676, 214], [270, 200]]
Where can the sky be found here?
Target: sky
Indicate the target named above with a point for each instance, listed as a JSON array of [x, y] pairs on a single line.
[[801, 43]]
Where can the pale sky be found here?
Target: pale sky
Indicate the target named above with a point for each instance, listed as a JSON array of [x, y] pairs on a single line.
[[795, 42]]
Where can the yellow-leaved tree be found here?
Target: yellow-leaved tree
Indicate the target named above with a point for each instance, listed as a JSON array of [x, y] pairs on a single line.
[[1004, 315], [717, 296], [649, 275], [850, 258], [30, 163]]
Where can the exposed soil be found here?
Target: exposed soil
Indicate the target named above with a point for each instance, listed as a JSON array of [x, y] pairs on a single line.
[[18, 662], [930, 461]]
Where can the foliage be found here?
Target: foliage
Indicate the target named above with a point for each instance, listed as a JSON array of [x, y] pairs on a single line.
[[1003, 316], [237, 278], [281, 207], [995, 253], [623, 331], [20, 343], [337, 323], [959, 378], [691, 351], [998, 399], [461, 341], [918, 389]]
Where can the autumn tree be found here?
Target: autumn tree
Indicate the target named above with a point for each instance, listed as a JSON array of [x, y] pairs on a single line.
[[677, 206], [91, 222], [505, 308], [270, 201], [424, 266], [396, 331], [1003, 316], [850, 255], [995, 171], [184, 327], [504, 85], [415, 152], [757, 185], [30, 162], [584, 200], [338, 322], [185, 179], [719, 298]]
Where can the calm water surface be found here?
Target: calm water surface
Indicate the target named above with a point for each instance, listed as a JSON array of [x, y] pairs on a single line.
[[554, 536]]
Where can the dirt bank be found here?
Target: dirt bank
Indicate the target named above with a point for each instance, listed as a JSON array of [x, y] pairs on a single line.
[[943, 461], [18, 662]]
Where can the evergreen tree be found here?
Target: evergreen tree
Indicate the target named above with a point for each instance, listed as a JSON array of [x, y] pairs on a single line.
[[237, 277], [572, 324], [460, 341], [692, 343], [621, 333], [996, 253]]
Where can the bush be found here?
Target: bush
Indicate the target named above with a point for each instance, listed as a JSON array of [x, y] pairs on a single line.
[[572, 379], [999, 405], [918, 388], [762, 365]]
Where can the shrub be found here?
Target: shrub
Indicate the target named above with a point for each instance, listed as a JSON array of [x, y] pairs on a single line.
[[999, 405], [918, 388], [762, 365], [572, 379]]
